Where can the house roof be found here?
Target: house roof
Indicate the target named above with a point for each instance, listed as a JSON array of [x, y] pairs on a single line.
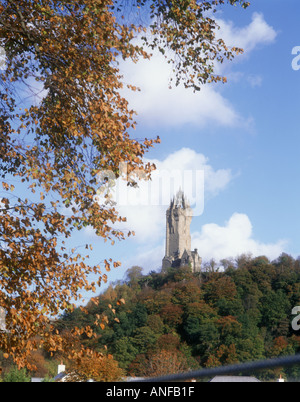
[[234, 379], [37, 379]]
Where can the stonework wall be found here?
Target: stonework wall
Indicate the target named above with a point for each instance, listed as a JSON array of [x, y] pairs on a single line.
[[178, 237]]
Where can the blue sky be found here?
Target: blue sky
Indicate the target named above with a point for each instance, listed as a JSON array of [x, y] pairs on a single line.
[[243, 135]]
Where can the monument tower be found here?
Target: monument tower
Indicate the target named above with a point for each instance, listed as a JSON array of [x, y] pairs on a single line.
[[178, 238]]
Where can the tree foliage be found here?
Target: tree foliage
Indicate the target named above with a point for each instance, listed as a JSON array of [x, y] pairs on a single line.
[[103, 369], [16, 375]]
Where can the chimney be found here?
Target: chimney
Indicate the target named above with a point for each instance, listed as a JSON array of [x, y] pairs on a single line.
[[61, 368], [280, 379]]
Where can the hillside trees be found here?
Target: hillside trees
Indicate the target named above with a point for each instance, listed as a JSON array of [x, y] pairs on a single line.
[[241, 314], [103, 369], [163, 362], [76, 124]]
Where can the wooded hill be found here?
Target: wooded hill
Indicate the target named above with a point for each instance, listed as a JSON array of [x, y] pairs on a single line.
[[175, 320]]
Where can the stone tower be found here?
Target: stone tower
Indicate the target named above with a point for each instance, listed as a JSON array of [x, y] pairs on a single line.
[[178, 237]]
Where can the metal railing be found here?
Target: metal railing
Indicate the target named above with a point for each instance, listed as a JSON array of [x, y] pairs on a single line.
[[242, 368]]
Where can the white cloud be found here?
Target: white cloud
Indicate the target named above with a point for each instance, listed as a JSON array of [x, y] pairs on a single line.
[[146, 206], [189, 160], [233, 239], [212, 241], [157, 105], [257, 33], [149, 258]]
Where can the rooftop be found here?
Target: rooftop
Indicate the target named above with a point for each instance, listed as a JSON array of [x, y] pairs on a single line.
[[234, 379]]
